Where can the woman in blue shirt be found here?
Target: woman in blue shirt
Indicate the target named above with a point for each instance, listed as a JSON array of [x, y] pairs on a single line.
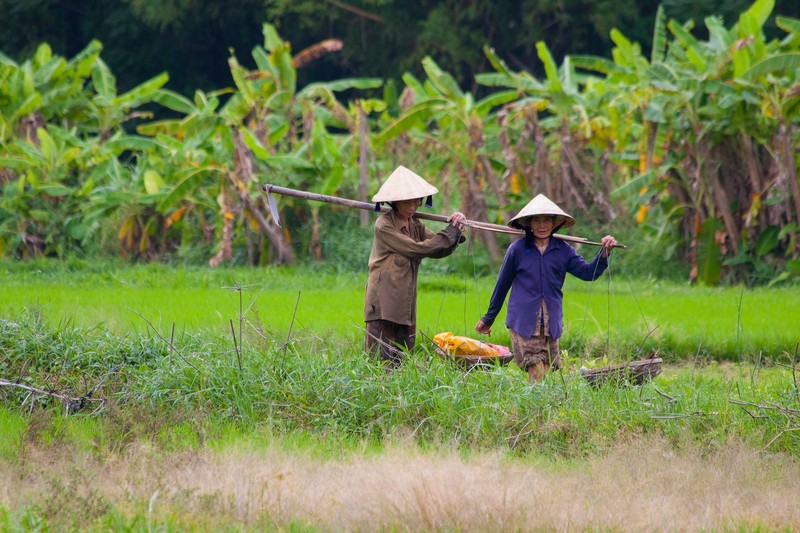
[[534, 269]]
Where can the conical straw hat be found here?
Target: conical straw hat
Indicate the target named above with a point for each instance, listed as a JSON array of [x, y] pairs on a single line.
[[403, 184], [542, 205]]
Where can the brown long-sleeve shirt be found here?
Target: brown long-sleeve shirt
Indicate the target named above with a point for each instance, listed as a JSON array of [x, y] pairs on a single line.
[[391, 292]]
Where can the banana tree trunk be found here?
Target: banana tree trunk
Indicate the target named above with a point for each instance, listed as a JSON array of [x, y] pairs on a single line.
[[242, 175], [723, 202], [281, 250], [474, 207], [225, 252], [754, 173], [788, 169], [315, 247]]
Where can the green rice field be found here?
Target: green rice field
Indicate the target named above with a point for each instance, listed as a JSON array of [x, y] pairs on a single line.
[[610, 316]]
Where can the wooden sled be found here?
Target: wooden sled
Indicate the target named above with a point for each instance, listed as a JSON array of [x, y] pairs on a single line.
[[633, 372]]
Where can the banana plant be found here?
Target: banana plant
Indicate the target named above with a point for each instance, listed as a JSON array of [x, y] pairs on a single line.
[[552, 119], [287, 132], [461, 126]]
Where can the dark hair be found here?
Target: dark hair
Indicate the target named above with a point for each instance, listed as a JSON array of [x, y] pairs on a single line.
[[528, 237]]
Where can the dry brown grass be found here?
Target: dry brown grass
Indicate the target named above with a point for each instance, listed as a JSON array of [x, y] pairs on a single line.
[[642, 485]]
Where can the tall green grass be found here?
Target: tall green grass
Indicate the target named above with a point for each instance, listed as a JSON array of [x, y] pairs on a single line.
[[311, 385]]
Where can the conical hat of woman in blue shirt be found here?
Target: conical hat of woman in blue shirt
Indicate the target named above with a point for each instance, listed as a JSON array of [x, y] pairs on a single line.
[[403, 184], [542, 205]]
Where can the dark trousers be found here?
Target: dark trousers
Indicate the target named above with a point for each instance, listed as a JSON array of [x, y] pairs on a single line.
[[389, 339]]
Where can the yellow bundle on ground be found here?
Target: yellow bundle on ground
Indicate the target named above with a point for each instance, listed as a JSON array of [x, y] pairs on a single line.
[[456, 345]]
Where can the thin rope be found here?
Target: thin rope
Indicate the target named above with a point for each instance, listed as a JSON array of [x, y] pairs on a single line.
[[444, 292], [638, 305], [464, 308], [585, 314], [471, 252], [608, 305], [608, 309]]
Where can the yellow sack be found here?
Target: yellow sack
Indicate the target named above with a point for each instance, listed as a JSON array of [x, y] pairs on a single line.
[[455, 345]]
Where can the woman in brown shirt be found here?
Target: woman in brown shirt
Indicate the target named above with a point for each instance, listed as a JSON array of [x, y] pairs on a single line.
[[401, 242]]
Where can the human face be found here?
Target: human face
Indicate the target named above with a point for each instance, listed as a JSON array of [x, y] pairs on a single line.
[[407, 208], [542, 226]]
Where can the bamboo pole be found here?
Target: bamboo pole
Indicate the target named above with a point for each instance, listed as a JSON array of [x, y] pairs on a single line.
[[485, 226]]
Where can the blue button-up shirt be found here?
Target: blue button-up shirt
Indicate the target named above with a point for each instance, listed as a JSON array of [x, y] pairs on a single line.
[[531, 276]]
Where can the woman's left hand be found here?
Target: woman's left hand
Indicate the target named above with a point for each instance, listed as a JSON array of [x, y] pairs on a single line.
[[457, 219], [608, 243]]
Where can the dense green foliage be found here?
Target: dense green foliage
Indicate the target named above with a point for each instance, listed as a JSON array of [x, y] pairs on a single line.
[[383, 38], [691, 147]]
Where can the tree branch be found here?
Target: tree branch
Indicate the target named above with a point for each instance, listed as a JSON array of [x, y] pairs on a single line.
[[358, 11]]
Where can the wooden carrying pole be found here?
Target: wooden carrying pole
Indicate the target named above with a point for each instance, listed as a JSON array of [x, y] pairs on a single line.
[[486, 226]]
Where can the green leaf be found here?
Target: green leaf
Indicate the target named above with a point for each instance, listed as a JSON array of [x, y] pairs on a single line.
[[596, 64], [153, 182], [14, 163], [54, 189], [625, 52], [414, 115], [52, 68], [788, 230], [442, 80], [783, 63], [696, 58], [659, 50], [767, 241], [30, 104], [719, 36], [663, 74], [40, 214], [788, 24], [642, 180], [689, 43], [271, 38], [7, 61], [133, 143], [288, 162], [187, 182], [277, 133], [332, 182], [104, 83], [414, 84], [47, 145], [654, 112], [261, 57], [497, 99], [83, 63], [497, 63], [793, 266], [752, 21], [174, 101], [159, 127], [254, 144], [353, 83], [550, 68], [43, 54], [287, 73]]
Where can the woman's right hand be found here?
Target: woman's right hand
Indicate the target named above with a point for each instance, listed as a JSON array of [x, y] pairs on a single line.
[[482, 327]]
